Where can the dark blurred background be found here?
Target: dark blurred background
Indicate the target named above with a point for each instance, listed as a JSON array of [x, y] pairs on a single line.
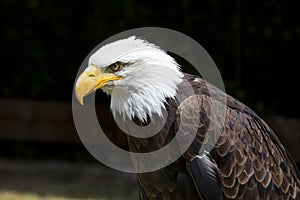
[[43, 43]]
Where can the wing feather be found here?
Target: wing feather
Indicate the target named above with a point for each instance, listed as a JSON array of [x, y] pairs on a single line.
[[251, 161]]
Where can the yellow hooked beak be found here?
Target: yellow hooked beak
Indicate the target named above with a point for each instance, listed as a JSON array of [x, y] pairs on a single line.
[[90, 80]]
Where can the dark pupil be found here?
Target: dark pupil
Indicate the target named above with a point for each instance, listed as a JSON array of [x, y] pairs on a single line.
[[116, 67]]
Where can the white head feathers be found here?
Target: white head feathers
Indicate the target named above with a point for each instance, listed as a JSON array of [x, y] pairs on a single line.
[[149, 76]]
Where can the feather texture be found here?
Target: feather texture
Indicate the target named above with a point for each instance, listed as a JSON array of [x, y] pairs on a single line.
[[249, 160]]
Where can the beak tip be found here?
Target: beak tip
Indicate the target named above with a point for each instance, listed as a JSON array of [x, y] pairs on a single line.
[[80, 101]]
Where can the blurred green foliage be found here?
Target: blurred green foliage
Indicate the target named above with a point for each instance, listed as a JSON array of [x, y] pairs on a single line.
[[254, 43]]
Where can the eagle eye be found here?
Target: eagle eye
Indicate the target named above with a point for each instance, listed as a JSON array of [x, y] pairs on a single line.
[[116, 66]]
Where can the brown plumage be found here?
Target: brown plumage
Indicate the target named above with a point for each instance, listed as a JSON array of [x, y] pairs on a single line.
[[247, 162]]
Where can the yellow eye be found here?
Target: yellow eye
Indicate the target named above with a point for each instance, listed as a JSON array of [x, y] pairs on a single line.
[[116, 66]]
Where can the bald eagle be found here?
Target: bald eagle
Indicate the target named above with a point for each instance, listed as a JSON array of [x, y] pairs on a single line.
[[246, 162]]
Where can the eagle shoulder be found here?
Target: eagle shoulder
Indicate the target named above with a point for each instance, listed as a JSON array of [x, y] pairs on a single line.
[[250, 162]]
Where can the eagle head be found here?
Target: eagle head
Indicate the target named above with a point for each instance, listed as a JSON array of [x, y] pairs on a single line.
[[138, 75]]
